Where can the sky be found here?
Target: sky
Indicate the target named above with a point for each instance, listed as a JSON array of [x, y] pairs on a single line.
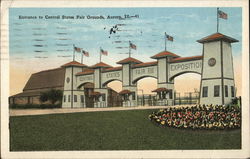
[[41, 43]]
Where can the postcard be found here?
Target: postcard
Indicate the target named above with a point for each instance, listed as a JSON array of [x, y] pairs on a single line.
[[129, 79]]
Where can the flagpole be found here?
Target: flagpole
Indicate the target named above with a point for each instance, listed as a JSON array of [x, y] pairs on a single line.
[[129, 51], [100, 55], [217, 20], [165, 42], [82, 58], [73, 52]]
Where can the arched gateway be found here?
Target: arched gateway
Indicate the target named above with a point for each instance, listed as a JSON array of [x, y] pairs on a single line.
[[215, 66]]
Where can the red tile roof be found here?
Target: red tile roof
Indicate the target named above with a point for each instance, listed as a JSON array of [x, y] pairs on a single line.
[[95, 93], [113, 69], [101, 64], [74, 63], [164, 54], [146, 64], [160, 89], [125, 91], [181, 59], [216, 37], [129, 60], [85, 72]]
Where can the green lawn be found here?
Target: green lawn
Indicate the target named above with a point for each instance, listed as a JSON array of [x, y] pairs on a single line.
[[114, 130]]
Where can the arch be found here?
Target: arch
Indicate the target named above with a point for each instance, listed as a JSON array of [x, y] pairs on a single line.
[[82, 84], [107, 82], [141, 77], [181, 73]]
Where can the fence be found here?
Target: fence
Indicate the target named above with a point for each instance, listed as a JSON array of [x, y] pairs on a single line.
[[188, 98], [151, 100]]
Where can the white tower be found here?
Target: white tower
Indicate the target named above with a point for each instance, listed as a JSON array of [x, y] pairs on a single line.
[[217, 79], [71, 96]]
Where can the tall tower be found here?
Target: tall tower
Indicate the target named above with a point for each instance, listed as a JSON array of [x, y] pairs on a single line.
[[217, 79], [70, 92]]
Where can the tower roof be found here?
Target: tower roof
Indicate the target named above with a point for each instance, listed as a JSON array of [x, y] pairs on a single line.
[[101, 64], [129, 60], [74, 63], [164, 54], [216, 37], [182, 59], [85, 72]]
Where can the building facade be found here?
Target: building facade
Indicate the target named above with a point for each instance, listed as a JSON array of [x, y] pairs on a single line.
[[215, 66], [86, 86]]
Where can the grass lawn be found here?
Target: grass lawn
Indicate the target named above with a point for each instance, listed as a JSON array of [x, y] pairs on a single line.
[[114, 130]]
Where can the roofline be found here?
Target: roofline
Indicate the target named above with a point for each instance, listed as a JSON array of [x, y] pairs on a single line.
[[184, 59], [120, 62], [175, 55], [93, 67], [225, 38], [43, 88], [82, 73], [48, 70], [147, 64], [115, 69], [74, 65]]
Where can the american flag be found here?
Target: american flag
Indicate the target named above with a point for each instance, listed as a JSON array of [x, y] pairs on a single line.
[[170, 38], [222, 15], [85, 53], [104, 52], [132, 46], [77, 49]]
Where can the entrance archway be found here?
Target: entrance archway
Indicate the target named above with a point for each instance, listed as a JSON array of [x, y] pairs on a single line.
[[187, 88], [114, 87], [88, 88], [145, 86]]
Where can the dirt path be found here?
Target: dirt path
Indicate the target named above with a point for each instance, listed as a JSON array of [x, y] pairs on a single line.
[[24, 112]]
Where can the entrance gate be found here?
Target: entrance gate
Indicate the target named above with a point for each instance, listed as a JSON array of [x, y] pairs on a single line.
[[188, 98], [215, 66]]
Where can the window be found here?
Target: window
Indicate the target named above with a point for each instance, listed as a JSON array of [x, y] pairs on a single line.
[[103, 97], [126, 97], [160, 95], [75, 98], [68, 98], [64, 98], [133, 96], [82, 99], [170, 94], [226, 91], [216, 91], [204, 91], [163, 95], [232, 91]]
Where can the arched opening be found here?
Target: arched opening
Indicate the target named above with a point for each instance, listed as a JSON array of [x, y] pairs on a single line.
[[114, 87], [145, 86], [88, 88], [187, 88]]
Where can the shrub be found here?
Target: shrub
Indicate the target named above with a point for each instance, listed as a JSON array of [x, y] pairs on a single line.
[[52, 95]]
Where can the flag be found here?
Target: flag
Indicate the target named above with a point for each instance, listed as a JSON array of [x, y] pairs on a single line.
[[170, 38], [222, 15], [132, 46], [77, 49], [85, 53], [104, 52]]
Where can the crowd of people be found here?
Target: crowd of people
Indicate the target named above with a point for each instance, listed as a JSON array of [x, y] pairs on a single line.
[[199, 117]]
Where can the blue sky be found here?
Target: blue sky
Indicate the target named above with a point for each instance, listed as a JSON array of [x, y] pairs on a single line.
[[53, 38]]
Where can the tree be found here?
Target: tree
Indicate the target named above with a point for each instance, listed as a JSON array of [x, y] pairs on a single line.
[[52, 95]]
